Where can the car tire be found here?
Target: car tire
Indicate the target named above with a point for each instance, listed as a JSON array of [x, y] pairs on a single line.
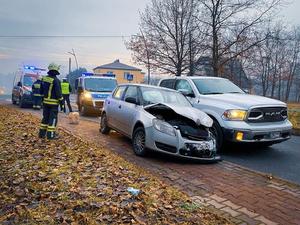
[[216, 131], [139, 141], [82, 110], [104, 128], [14, 102], [21, 103]]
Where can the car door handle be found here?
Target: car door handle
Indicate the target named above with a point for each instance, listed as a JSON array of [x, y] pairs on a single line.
[[120, 106]]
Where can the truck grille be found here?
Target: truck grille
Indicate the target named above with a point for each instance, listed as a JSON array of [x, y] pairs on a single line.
[[267, 114]]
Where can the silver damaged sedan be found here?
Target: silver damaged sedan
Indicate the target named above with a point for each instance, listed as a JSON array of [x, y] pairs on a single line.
[[159, 119]]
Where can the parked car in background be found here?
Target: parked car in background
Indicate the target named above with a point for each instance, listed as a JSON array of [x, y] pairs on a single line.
[[92, 90], [159, 119], [24, 78], [238, 116]]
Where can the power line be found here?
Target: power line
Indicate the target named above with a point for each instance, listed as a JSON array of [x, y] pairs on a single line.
[[64, 36]]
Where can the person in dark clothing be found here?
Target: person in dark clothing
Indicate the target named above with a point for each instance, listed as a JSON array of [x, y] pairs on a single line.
[[66, 90], [36, 94], [51, 91]]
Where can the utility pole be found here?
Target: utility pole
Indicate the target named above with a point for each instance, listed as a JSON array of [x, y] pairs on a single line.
[[69, 69], [69, 65], [73, 54]]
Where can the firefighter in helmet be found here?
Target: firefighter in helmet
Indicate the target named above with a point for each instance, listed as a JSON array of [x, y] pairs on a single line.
[[37, 95], [51, 91]]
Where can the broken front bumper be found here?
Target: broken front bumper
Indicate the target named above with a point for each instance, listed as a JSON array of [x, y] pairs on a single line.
[[178, 146]]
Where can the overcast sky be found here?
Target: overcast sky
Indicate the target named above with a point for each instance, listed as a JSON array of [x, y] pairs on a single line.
[[74, 17]]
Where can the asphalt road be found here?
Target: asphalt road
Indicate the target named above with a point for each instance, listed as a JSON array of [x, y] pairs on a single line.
[[281, 160]]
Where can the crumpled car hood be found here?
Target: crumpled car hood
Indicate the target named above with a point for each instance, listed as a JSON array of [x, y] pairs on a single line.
[[199, 117]]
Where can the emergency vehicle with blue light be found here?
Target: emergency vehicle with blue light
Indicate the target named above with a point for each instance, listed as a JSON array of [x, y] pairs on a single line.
[[24, 78], [92, 90]]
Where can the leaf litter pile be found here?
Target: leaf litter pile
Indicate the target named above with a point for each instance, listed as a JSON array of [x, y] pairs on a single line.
[[69, 181]]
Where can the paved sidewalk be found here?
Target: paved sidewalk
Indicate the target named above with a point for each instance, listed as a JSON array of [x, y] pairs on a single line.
[[246, 196]]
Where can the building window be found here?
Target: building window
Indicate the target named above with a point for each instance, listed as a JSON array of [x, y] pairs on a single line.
[[110, 72], [126, 75]]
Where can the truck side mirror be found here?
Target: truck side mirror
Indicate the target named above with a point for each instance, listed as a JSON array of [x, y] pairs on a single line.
[[19, 84], [187, 93]]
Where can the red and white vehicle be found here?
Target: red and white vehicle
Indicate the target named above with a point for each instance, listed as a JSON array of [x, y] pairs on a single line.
[[24, 78]]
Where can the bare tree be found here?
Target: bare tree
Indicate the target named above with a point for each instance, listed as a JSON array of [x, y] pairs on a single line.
[[141, 49], [293, 63], [229, 23], [169, 27]]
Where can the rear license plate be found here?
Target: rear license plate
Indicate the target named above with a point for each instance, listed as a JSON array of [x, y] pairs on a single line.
[[275, 134]]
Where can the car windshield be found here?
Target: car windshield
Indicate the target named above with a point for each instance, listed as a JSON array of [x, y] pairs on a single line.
[[156, 95], [216, 86], [99, 85], [29, 80]]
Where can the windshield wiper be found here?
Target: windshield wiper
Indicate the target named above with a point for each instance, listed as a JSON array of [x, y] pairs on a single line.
[[213, 93], [234, 92]]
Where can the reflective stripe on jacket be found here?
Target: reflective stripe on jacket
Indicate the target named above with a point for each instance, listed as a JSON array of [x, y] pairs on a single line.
[[51, 90], [36, 88]]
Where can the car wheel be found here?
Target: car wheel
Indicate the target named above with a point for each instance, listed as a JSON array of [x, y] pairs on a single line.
[[139, 141], [14, 102], [104, 128], [21, 103], [216, 131], [82, 110]]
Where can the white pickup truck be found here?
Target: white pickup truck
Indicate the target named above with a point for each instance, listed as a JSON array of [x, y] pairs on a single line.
[[238, 116]]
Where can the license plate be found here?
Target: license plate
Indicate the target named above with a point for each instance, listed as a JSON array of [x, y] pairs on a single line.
[[207, 145], [275, 135]]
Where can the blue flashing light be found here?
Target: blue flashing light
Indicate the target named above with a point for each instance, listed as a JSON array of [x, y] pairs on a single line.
[[30, 68], [106, 75], [87, 74]]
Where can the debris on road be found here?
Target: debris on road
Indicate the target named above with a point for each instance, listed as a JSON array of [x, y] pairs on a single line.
[[72, 182], [133, 191]]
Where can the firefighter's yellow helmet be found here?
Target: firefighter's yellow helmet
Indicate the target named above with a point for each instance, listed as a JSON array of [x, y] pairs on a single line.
[[53, 66]]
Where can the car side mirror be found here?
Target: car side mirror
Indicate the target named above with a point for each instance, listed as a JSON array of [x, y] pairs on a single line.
[[186, 93], [19, 84], [131, 100]]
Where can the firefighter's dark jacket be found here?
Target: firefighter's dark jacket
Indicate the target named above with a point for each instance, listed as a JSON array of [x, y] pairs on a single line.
[[36, 88], [51, 90]]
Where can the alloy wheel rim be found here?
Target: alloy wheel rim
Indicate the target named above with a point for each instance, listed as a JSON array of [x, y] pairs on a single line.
[[139, 141]]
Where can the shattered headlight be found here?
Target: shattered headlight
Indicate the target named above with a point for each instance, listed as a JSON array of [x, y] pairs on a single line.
[[164, 127], [235, 114]]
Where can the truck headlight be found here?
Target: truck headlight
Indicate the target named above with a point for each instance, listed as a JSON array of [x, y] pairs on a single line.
[[164, 127], [87, 95], [235, 114]]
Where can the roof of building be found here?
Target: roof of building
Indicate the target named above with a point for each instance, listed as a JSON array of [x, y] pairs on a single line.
[[116, 65]]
